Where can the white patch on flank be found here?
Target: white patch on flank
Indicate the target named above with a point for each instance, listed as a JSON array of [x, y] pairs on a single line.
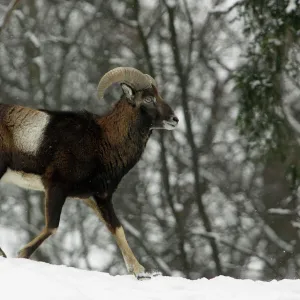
[[24, 180], [29, 135]]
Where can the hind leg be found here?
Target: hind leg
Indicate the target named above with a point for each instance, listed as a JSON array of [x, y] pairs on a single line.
[[54, 201], [3, 168], [4, 158]]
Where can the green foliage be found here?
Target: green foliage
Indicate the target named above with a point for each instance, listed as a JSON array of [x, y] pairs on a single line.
[[260, 117], [272, 30]]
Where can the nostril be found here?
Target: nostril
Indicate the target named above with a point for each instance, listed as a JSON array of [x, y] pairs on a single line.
[[175, 119]]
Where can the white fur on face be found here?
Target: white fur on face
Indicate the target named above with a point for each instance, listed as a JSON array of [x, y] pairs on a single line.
[[169, 125], [24, 180], [29, 134]]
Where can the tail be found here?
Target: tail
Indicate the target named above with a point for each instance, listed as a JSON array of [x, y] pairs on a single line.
[[2, 253]]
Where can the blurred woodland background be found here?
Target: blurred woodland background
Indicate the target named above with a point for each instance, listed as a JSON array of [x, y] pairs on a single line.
[[219, 195]]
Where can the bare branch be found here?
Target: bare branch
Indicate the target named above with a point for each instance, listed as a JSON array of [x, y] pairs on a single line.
[[191, 37], [8, 13], [199, 186], [219, 12], [215, 237]]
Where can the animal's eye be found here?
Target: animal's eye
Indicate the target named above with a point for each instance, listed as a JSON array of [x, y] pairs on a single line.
[[150, 99]]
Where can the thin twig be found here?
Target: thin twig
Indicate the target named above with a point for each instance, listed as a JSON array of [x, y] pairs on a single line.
[[13, 4]]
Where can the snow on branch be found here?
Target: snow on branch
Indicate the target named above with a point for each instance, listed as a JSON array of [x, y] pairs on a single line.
[[271, 234], [34, 40], [131, 229], [289, 110], [8, 13], [280, 211], [296, 224], [291, 6]]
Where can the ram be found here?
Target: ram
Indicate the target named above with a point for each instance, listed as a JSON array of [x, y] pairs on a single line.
[[83, 155]]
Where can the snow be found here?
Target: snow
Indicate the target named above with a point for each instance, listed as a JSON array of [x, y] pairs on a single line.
[[276, 42], [291, 6], [25, 279], [280, 211], [178, 207], [295, 224], [33, 38]]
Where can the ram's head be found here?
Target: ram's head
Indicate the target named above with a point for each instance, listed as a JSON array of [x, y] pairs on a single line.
[[140, 91]]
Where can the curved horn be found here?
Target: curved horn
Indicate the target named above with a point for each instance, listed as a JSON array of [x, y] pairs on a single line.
[[151, 79], [128, 75]]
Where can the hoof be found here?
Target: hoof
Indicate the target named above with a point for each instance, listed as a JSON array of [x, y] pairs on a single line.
[[155, 274], [22, 254], [146, 276]]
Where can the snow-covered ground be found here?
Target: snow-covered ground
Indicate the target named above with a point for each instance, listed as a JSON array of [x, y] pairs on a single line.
[[25, 279]]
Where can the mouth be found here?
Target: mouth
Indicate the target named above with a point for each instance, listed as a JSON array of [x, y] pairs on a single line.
[[169, 125]]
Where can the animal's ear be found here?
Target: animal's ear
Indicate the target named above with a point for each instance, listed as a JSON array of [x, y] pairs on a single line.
[[128, 91]]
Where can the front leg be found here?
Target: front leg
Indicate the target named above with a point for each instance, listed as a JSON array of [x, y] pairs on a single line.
[[103, 207]]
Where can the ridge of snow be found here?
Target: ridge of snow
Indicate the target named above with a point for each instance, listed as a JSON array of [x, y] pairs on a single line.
[[26, 279]]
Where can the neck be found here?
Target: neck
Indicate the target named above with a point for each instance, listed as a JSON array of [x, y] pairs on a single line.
[[124, 124], [126, 135]]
